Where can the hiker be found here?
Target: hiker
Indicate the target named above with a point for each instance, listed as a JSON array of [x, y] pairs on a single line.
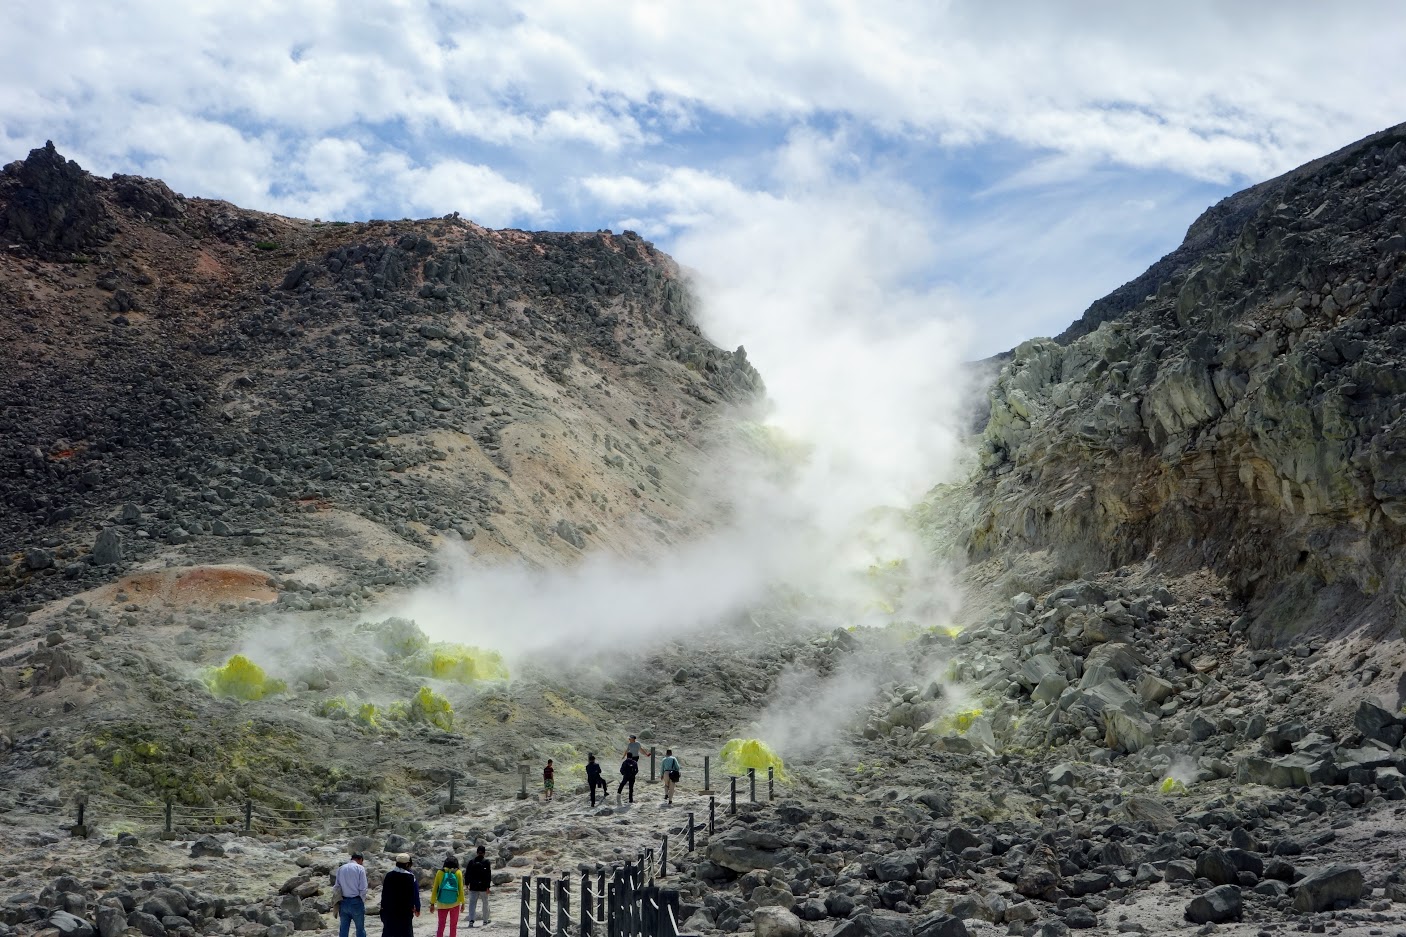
[[633, 749], [549, 780], [594, 779], [400, 900], [351, 886], [447, 895], [628, 769], [669, 767], [478, 876]]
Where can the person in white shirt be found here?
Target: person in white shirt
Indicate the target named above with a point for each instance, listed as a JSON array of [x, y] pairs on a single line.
[[351, 879]]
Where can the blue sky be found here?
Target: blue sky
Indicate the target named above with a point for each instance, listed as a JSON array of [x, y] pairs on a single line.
[[994, 165]]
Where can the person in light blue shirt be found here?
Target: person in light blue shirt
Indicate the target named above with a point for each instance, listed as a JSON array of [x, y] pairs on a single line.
[[351, 879], [669, 767]]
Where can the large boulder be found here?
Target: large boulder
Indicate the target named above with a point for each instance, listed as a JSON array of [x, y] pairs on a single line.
[[1039, 877], [1323, 889], [743, 850], [901, 866], [775, 922], [875, 924], [1220, 904]]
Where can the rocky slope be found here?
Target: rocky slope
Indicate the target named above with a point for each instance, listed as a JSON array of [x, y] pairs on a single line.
[[188, 381], [1238, 407]]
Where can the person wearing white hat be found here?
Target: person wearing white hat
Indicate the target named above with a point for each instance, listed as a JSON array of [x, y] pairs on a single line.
[[400, 900]]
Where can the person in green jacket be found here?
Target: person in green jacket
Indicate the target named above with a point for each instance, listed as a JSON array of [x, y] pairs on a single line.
[[447, 896]]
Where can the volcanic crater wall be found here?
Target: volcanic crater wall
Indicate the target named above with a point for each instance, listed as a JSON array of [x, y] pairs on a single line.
[[189, 380], [1243, 412]]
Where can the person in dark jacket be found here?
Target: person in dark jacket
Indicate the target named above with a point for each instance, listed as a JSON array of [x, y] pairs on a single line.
[[594, 779], [628, 769], [400, 900], [478, 876]]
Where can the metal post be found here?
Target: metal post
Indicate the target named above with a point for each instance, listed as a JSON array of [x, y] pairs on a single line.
[[248, 815], [664, 857], [586, 906], [168, 816], [690, 831], [770, 782], [732, 808], [82, 806], [712, 815], [525, 906], [544, 905], [451, 792], [652, 774], [751, 785], [378, 816], [522, 773], [563, 906], [707, 774]]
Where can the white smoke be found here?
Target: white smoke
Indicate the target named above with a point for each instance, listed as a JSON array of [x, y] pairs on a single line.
[[863, 366]]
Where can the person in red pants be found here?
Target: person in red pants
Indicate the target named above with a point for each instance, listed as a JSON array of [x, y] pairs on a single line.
[[447, 896]]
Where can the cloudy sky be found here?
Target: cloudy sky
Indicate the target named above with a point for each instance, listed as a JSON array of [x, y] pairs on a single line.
[[998, 164]]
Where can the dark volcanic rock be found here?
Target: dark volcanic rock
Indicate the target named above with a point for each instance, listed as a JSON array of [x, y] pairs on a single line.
[[1323, 889], [1216, 906], [53, 204]]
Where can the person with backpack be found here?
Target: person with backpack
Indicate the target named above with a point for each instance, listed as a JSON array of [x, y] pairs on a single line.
[[628, 769], [447, 896], [478, 876], [594, 779], [670, 769]]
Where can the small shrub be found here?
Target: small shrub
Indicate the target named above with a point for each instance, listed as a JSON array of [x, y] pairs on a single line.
[[266, 245]]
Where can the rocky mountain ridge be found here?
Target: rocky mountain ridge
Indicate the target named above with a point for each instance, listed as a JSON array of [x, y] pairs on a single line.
[[188, 381], [1245, 415]]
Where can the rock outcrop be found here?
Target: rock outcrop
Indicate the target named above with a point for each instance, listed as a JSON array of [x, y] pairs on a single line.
[[1239, 407]]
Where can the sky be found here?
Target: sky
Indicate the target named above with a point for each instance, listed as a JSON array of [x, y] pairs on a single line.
[[996, 165]]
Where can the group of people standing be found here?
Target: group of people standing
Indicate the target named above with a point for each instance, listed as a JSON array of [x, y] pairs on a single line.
[[629, 770], [451, 889]]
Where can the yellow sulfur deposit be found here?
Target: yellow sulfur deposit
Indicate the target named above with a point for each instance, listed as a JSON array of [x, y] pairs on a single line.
[[241, 678], [740, 754], [1173, 786], [366, 716], [428, 706], [958, 721], [464, 664]]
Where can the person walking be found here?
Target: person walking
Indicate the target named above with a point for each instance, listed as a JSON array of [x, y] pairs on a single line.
[[400, 900], [447, 896], [549, 780], [669, 767], [351, 884], [633, 749], [478, 876], [628, 769], [594, 779]]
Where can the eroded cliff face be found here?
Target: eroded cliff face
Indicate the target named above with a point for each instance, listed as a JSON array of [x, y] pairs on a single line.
[[1245, 415]]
